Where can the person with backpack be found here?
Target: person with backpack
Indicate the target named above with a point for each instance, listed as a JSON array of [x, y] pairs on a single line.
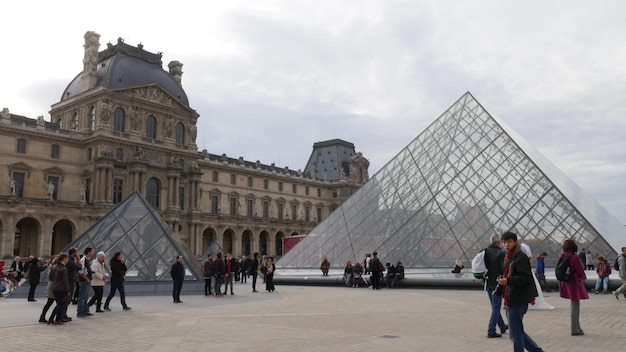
[[573, 287], [376, 268], [621, 268], [494, 261], [519, 290]]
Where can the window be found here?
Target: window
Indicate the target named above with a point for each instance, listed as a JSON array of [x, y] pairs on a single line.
[[215, 176], [18, 178], [119, 120], [181, 198], [180, 133], [91, 124], [151, 127], [119, 154], [250, 181], [55, 151], [294, 188], [280, 186], [250, 207], [118, 186], [307, 213], [215, 205], [21, 146], [281, 209], [87, 190], [335, 194], [233, 206], [319, 214], [152, 192], [266, 184], [266, 209], [306, 190], [88, 153], [233, 179], [54, 181], [319, 192]]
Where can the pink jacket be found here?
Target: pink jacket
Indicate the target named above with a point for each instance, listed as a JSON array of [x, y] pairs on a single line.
[[603, 269], [574, 289]]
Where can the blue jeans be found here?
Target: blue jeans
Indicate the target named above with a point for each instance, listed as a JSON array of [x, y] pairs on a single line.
[[520, 339], [605, 283], [496, 317], [116, 286], [85, 287]]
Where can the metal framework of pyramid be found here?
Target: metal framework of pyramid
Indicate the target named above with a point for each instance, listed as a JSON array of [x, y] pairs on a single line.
[[466, 176], [135, 229]]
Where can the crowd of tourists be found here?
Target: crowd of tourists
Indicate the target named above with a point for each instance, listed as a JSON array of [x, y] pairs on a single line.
[[388, 275]]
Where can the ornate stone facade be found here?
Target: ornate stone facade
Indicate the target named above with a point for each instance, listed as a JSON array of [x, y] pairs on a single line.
[[106, 140]]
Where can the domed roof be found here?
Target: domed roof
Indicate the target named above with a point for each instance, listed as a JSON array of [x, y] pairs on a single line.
[[122, 65]]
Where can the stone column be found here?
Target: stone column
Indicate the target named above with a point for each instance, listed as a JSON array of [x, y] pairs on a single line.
[[45, 244]]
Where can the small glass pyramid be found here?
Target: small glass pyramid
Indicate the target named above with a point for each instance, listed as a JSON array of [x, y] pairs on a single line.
[[133, 228], [466, 176]]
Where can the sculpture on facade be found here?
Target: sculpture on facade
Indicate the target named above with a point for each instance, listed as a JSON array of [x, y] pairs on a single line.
[[83, 193], [12, 186], [49, 190], [193, 132]]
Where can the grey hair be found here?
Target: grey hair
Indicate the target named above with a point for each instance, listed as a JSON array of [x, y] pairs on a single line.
[[495, 238]]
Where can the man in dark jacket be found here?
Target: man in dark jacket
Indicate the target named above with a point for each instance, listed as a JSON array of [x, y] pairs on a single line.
[[178, 275], [208, 275], [376, 267], [519, 291], [494, 261], [220, 270], [35, 267], [254, 267]]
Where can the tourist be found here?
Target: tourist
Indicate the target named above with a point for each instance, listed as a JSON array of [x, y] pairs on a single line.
[[358, 274], [118, 271], [269, 275], [589, 260], [494, 262], [178, 276], [621, 264], [399, 274], [376, 268], [391, 274], [458, 266], [17, 267], [85, 277], [603, 269], [573, 289], [99, 273], [325, 266], [61, 289], [519, 290], [208, 275], [348, 273], [49, 292], [35, 267], [254, 270], [540, 271], [220, 270], [231, 268], [366, 263]]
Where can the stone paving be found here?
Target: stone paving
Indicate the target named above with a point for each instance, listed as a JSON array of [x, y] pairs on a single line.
[[303, 318]]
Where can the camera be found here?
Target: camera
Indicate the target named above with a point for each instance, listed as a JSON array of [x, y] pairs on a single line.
[[499, 290]]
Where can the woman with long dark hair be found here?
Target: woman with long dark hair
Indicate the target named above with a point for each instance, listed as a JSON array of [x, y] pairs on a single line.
[[61, 289], [118, 271], [269, 275]]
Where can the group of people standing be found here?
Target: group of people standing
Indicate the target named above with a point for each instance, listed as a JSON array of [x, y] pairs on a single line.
[[66, 270], [388, 275], [510, 280]]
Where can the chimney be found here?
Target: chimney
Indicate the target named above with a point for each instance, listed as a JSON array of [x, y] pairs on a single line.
[[176, 71], [90, 61]]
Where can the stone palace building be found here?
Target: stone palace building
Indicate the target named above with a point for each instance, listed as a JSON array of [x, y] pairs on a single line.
[[125, 124]]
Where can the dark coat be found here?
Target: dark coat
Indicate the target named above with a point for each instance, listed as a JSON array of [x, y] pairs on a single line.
[[34, 272], [118, 271], [494, 261], [72, 269], [178, 271], [254, 266], [520, 288]]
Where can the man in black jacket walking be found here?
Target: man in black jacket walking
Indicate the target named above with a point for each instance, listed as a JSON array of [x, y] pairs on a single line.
[[494, 261], [35, 267], [254, 267], [178, 275]]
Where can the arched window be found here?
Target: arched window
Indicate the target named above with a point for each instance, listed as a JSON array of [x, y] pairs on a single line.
[[120, 120], [151, 127], [152, 192], [92, 119], [180, 133]]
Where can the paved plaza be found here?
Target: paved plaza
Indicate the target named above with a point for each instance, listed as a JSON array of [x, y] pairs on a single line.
[[311, 318]]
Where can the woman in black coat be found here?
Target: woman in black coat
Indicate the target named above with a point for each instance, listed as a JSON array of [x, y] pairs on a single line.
[[269, 275], [118, 271]]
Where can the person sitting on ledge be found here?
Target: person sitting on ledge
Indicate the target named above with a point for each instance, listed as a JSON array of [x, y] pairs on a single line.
[[458, 265]]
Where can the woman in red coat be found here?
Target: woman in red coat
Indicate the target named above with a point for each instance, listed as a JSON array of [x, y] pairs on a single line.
[[574, 289]]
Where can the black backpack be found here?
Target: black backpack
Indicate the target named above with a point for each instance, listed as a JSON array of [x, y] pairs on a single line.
[[562, 270], [616, 264]]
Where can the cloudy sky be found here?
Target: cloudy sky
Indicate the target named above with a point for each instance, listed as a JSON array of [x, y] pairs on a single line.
[[270, 78]]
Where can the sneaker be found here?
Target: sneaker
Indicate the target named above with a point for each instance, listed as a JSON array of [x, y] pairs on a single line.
[[616, 295], [595, 291], [493, 334]]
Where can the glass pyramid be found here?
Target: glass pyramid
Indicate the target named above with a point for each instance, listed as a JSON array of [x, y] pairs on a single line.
[[133, 228], [465, 177]]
